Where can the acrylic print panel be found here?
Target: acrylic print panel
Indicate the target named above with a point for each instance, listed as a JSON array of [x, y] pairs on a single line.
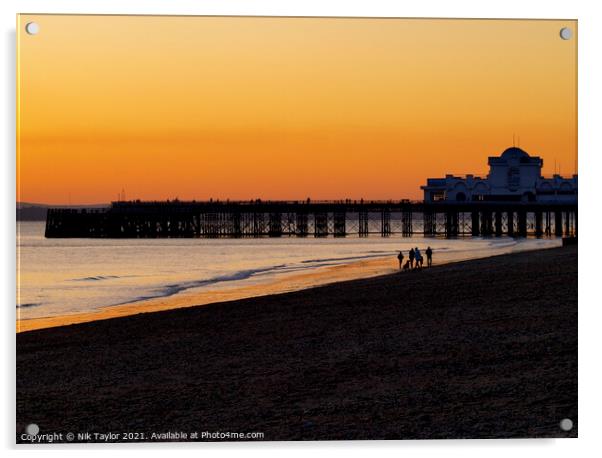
[[269, 228]]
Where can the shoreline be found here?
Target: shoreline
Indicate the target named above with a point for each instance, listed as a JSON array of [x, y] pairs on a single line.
[[364, 269], [485, 348], [292, 283]]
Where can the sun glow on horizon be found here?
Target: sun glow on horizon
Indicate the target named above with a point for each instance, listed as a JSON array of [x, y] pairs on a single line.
[[283, 108]]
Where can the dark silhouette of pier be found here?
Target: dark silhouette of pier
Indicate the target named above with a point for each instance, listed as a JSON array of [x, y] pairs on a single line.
[[214, 219]]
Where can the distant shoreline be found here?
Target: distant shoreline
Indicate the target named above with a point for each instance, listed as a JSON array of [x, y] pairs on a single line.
[[485, 348], [37, 212]]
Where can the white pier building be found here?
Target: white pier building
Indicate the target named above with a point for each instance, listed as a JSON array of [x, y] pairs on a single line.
[[513, 177]]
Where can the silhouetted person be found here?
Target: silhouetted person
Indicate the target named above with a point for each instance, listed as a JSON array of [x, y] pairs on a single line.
[[429, 256], [411, 256], [418, 257], [400, 258]]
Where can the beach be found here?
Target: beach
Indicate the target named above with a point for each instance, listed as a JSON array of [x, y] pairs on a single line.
[[485, 348]]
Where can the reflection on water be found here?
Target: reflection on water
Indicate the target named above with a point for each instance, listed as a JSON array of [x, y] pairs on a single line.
[[66, 276]]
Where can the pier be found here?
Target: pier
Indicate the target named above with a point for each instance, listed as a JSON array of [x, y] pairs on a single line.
[[228, 219]]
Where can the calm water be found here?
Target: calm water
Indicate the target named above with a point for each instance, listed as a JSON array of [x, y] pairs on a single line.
[[64, 276]]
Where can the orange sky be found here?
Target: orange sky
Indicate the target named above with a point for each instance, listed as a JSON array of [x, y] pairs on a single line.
[[283, 108]]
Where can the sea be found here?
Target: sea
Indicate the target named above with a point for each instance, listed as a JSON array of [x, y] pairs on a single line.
[[57, 277]]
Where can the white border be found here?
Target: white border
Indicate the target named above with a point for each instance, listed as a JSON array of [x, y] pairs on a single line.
[[590, 124]]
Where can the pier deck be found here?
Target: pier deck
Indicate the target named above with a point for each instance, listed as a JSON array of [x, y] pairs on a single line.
[[213, 219]]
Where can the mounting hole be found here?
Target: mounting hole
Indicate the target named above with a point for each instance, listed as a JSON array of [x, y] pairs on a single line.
[[566, 33], [32, 429], [566, 424], [32, 28]]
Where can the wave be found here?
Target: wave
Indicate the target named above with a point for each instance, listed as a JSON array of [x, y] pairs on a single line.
[[309, 264], [96, 278], [350, 258], [29, 304], [103, 277], [172, 289]]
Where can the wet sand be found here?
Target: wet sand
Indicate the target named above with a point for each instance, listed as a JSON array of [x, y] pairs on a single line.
[[484, 348]]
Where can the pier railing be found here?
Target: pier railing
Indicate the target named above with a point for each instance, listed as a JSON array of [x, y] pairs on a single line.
[[138, 219]]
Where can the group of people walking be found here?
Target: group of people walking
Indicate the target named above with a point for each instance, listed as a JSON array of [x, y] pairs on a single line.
[[415, 259]]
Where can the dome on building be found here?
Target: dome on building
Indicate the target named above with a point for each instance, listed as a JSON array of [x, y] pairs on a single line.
[[514, 152]]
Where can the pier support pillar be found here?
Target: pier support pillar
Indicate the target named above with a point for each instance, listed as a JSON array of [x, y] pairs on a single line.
[[301, 224], [498, 223], [475, 224], [258, 224], [487, 222], [538, 224], [275, 225], [235, 225], [385, 223], [451, 223], [558, 223], [340, 220], [363, 223], [429, 227], [510, 216], [522, 223], [406, 223], [320, 224]]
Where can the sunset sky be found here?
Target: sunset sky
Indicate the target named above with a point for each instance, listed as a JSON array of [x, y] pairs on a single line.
[[283, 108]]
